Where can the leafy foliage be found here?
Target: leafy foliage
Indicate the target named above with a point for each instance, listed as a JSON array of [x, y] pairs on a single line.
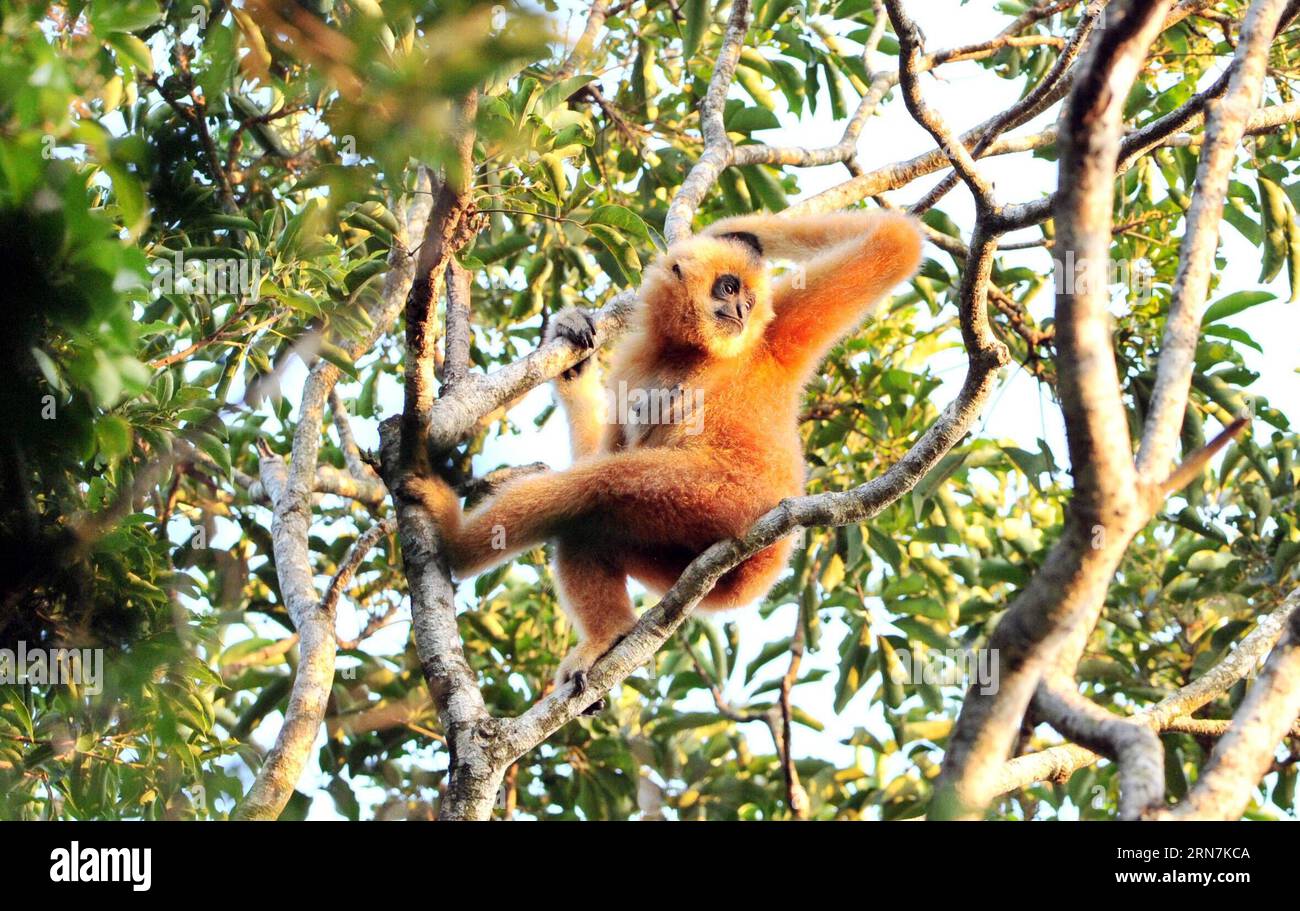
[[197, 198]]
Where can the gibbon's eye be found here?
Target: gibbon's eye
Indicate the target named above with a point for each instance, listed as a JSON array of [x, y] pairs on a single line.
[[726, 286]]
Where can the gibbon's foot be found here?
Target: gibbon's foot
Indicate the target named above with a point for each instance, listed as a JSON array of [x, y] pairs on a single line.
[[579, 687], [573, 669], [574, 325]]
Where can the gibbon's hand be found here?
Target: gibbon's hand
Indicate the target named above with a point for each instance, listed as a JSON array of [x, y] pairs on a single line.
[[576, 326]]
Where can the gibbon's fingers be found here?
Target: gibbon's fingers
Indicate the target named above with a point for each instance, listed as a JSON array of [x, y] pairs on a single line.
[[825, 300], [575, 326], [801, 237], [639, 498]]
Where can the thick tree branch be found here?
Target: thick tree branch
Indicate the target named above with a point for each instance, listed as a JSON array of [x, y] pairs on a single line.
[[455, 415], [1072, 583], [290, 493], [456, 344], [328, 480], [404, 452], [1133, 746], [1170, 714]]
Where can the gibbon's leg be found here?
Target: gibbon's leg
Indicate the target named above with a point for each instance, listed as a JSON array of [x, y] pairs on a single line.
[[579, 389], [641, 498], [860, 257], [593, 592]]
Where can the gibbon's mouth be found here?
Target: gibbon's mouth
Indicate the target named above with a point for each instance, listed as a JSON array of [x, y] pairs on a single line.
[[726, 317]]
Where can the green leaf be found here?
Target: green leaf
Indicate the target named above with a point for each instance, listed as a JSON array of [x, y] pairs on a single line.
[[1235, 303], [557, 94], [622, 218], [1279, 214], [133, 50], [339, 357], [113, 434], [768, 653], [129, 194], [698, 20], [748, 119], [1234, 334]]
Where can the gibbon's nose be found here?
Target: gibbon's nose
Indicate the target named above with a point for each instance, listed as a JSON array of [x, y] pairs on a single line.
[[736, 308]]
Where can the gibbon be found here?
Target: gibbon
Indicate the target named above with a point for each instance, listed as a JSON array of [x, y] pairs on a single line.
[[643, 499]]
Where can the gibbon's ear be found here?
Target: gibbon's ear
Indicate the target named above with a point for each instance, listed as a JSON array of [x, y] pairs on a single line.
[[677, 270], [747, 238]]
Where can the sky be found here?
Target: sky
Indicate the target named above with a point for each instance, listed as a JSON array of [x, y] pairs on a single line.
[[966, 95]]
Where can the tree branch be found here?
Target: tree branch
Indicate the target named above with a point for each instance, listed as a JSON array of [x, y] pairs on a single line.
[[1071, 585], [909, 56], [290, 494], [718, 150], [1245, 753], [357, 466], [586, 41], [404, 452], [1134, 747], [1030, 105], [1225, 126], [796, 798], [1170, 714], [456, 343], [343, 577]]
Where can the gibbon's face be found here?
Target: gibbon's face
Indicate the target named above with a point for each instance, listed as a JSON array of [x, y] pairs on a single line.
[[709, 293]]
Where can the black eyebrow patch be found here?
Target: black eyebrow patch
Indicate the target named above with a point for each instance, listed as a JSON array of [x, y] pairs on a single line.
[[746, 238]]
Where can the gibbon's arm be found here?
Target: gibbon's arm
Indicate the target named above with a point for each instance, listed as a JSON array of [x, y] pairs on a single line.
[[583, 400], [580, 389], [851, 260]]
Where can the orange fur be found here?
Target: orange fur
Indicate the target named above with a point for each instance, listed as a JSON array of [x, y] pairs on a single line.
[[647, 500]]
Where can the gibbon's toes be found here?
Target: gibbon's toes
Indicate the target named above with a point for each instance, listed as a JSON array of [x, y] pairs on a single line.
[[573, 671], [579, 680]]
